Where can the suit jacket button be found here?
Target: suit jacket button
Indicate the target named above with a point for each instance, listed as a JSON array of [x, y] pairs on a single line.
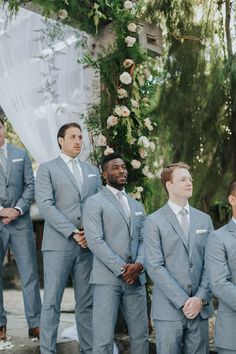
[[191, 265], [189, 286]]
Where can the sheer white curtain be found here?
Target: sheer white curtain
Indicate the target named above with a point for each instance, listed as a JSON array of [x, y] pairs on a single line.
[[26, 67]]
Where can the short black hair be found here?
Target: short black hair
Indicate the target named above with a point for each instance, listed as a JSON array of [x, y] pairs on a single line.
[[232, 188], [62, 131], [109, 157]]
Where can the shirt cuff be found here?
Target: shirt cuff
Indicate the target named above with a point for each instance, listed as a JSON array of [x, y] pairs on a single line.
[[18, 208]]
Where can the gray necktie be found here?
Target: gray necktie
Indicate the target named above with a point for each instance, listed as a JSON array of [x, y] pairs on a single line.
[[184, 222], [77, 175], [123, 204], [3, 160]]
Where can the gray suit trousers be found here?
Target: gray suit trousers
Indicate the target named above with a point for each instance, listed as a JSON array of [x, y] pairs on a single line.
[[182, 336], [106, 302], [58, 265]]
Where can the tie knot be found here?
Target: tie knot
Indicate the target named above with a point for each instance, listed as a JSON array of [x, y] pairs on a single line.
[[183, 212], [120, 195]]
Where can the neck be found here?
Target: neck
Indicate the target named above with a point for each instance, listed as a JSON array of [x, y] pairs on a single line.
[[179, 201], [116, 186]]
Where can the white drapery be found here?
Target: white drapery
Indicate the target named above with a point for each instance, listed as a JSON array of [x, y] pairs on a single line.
[[28, 74]]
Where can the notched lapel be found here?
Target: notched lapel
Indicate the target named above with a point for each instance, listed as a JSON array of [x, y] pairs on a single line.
[[116, 203], [193, 227], [231, 226], [172, 219], [66, 170]]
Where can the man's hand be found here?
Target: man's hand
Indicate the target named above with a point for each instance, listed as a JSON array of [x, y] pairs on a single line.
[[80, 239], [192, 307], [9, 214], [131, 272]]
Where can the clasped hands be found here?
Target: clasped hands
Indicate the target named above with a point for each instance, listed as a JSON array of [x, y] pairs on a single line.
[[8, 215], [130, 272], [79, 237], [192, 307]]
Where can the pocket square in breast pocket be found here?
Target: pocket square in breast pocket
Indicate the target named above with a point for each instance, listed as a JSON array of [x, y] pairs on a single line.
[[201, 231], [92, 175], [16, 160], [137, 213]]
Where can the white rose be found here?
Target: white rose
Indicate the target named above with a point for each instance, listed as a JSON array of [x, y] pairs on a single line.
[[108, 151], [145, 170], [122, 93], [130, 41], [148, 124], [152, 146], [135, 164], [134, 103], [143, 140], [127, 63], [136, 195], [125, 78], [140, 189], [150, 175], [132, 27], [122, 111], [100, 140], [128, 5], [142, 153], [111, 121], [62, 14]]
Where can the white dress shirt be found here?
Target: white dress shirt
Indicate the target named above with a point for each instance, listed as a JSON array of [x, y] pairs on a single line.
[[116, 191], [67, 159]]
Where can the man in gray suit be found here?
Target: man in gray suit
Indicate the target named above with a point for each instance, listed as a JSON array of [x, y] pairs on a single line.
[[16, 196], [113, 223], [62, 186], [221, 269], [175, 239]]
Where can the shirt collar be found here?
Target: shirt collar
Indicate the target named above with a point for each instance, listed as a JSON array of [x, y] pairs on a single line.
[[67, 158], [114, 190], [234, 220], [176, 208], [4, 148]]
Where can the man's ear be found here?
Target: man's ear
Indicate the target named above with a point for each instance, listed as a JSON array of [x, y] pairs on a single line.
[[104, 174], [168, 185], [60, 139], [232, 200]]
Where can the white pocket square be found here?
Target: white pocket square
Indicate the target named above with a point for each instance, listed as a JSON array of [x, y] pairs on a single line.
[[16, 160], [92, 175], [137, 213], [201, 231]]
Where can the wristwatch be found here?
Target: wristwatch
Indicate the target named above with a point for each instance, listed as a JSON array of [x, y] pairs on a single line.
[[203, 302]]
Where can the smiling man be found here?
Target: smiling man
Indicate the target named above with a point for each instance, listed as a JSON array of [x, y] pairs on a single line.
[[175, 238], [113, 223], [62, 186]]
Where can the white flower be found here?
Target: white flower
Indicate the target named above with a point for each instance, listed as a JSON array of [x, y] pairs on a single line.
[[132, 27], [111, 121], [142, 153], [150, 175], [145, 170], [139, 189], [122, 93], [136, 195], [127, 63], [134, 103], [128, 5], [122, 111], [62, 14], [108, 151], [125, 78], [135, 164], [130, 41], [143, 140], [152, 146], [148, 124], [100, 140]]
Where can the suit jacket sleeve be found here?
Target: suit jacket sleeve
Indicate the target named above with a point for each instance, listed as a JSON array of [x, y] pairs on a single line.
[[218, 271], [203, 291], [156, 266], [93, 228], [46, 203], [27, 195]]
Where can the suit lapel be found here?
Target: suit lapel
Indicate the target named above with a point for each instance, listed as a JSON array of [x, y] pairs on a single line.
[[84, 170], [109, 195], [172, 219], [193, 228], [66, 171], [9, 161]]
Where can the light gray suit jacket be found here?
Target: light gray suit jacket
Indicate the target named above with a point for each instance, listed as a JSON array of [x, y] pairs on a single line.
[[221, 268], [60, 203], [17, 186], [111, 237], [176, 269]]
